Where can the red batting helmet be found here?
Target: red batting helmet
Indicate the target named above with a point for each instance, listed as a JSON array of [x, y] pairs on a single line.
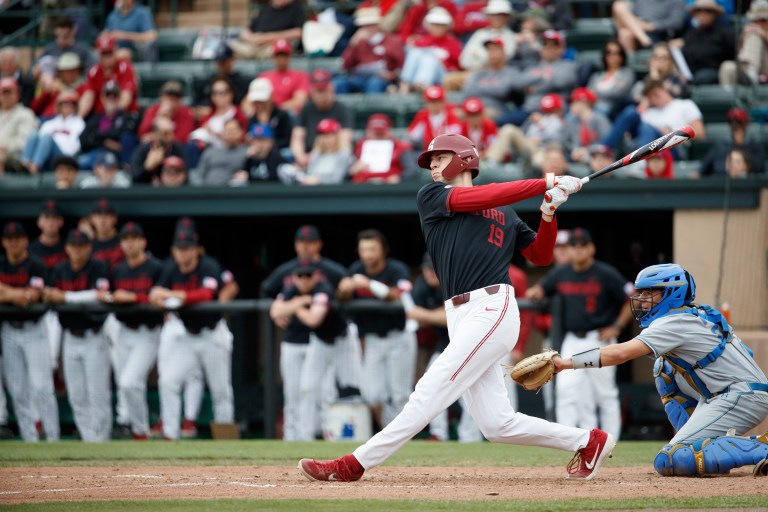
[[462, 148]]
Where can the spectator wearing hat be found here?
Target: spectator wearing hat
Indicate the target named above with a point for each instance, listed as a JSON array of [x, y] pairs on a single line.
[[714, 162], [330, 160], [751, 65], [112, 130], [583, 124], [660, 166], [290, 87], [10, 67], [17, 123], [65, 172], [225, 68], [474, 56], [706, 44], [173, 173], [613, 84], [56, 137], [647, 22], [64, 41], [373, 59], [172, 107], [476, 126], [106, 174], [430, 55], [493, 83], [436, 118], [147, 160], [69, 75], [109, 68], [48, 246], [131, 24], [322, 104], [264, 111], [378, 154], [218, 165], [278, 19], [413, 24], [262, 157]]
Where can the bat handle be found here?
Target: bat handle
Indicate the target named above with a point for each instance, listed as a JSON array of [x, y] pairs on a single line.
[[585, 180]]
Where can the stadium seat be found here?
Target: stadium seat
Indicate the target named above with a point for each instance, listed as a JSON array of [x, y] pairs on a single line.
[[175, 44], [252, 68], [330, 64], [685, 168], [714, 101], [590, 33]]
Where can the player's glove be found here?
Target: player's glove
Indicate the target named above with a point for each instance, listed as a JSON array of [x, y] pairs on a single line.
[[534, 371], [568, 184], [552, 200]]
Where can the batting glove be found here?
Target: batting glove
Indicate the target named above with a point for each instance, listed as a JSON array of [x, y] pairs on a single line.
[[568, 184], [552, 200]]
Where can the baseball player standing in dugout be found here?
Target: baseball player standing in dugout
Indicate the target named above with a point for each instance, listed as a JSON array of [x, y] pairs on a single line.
[[701, 364], [471, 234]]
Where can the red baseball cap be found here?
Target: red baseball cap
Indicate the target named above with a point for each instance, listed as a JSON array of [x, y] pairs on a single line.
[[495, 40], [473, 105], [583, 94], [379, 123], [174, 161], [8, 84], [282, 46], [550, 103], [553, 35], [328, 125], [320, 79], [737, 115], [106, 43], [434, 93]]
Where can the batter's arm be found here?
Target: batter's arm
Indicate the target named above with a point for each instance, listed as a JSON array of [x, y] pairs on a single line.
[[540, 251], [482, 197]]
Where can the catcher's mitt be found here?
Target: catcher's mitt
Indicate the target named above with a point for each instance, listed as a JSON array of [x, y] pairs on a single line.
[[534, 371]]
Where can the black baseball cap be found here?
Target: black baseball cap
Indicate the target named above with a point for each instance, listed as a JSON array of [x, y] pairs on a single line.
[[104, 206], [184, 239], [77, 237], [187, 223], [308, 233], [49, 208], [132, 229], [224, 52], [304, 266], [580, 236], [14, 229]]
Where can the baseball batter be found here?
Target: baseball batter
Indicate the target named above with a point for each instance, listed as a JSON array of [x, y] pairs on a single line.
[[471, 233], [710, 385], [26, 361], [85, 352]]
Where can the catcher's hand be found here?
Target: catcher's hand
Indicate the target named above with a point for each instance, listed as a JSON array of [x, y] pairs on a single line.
[[534, 371]]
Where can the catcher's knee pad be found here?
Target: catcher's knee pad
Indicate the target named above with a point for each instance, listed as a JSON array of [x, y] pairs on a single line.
[[677, 405], [715, 455]]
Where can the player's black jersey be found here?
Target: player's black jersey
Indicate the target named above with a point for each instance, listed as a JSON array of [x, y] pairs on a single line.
[[295, 331], [108, 251], [591, 299], [93, 276], [282, 277], [333, 326], [394, 274], [139, 280], [50, 255], [431, 298], [207, 274], [469, 250], [31, 273]]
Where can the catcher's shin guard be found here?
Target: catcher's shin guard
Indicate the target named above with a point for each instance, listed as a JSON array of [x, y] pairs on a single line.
[[677, 404], [711, 456]]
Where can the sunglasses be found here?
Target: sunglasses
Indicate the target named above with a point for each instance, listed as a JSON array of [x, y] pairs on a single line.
[[304, 275], [111, 94]]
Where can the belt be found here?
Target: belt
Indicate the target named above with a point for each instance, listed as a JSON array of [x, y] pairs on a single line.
[[197, 330], [580, 334], [463, 298], [81, 333]]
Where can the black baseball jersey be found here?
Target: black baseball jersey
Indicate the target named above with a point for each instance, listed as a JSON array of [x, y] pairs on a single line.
[[282, 276], [591, 299], [50, 255], [93, 276], [295, 331], [431, 298], [395, 274], [332, 326], [108, 251], [31, 273], [469, 250], [207, 274], [139, 280]]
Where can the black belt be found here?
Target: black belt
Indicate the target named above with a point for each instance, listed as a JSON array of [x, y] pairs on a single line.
[[463, 298], [580, 334], [80, 333], [197, 330]]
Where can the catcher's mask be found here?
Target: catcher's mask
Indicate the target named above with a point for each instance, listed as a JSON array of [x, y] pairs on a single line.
[[465, 155], [673, 280]]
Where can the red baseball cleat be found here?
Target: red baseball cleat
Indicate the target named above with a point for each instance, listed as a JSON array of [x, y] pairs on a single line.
[[188, 429], [345, 469], [587, 461]]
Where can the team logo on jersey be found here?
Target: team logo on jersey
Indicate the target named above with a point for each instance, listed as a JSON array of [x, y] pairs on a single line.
[[210, 283]]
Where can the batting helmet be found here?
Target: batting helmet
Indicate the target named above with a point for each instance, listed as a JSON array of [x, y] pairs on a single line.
[[677, 284], [462, 148]]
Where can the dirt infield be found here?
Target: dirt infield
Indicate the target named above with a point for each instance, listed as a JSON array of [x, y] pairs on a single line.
[[41, 484]]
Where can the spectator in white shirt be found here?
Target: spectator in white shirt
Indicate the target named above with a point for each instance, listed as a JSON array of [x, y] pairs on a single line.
[[56, 137], [17, 122]]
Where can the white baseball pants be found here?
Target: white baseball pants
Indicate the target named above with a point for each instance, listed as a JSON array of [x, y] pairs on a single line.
[[86, 374], [577, 393], [26, 358], [467, 430], [389, 367], [482, 331], [136, 352]]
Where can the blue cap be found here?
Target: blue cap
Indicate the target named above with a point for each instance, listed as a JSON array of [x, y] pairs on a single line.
[[107, 159], [261, 131]]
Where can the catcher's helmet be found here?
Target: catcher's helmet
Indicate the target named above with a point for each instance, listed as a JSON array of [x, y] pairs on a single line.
[[462, 148], [678, 285]]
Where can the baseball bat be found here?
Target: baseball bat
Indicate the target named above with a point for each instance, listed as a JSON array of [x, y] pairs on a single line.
[[663, 143]]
